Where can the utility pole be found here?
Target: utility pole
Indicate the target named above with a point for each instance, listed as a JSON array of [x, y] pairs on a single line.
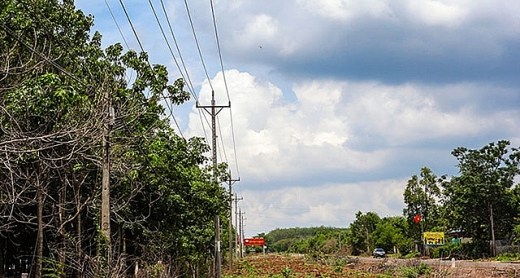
[[105, 180], [237, 228], [213, 110], [493, 244], [241, 233], [230, 183]]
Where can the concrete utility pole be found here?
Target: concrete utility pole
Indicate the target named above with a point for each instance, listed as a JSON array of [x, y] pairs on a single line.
[[230, 183], [241, 233], [493, 243], [213, 110], [105, 180], [237, 227]]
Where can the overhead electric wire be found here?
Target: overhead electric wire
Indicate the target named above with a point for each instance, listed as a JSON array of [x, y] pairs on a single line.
[[222, 141], [218, 47], [184, 72], [150, 65], [225, 83], [198, 45], [188, 80], [132, 26], [169, 47], [202, 124], [117, 25]]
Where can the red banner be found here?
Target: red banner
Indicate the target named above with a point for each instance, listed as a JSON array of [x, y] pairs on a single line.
[[260, 241]]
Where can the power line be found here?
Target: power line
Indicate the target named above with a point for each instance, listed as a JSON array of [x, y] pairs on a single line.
[[150, 65], [222, 141], [169, 46], [188, 80], [218, 47], [225, 83], [132, 26], [198, 45], [117, 25]]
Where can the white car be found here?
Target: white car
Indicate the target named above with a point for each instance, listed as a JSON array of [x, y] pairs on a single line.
[[379, 253]]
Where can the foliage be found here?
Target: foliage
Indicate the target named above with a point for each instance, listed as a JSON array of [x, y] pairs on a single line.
[[508, 257], [421, 197], [457, 251], [391, 232], [483, 192], [414, 271], [286, 272], [302, 240], [56, 90], [361, 231]]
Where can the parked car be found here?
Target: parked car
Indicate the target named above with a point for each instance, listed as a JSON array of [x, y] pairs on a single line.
[[379, 253]]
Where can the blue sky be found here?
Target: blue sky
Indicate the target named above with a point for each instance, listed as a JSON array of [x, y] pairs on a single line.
[[337, 103]]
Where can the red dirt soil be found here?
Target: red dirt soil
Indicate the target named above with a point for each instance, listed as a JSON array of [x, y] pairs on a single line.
[[300, 267]]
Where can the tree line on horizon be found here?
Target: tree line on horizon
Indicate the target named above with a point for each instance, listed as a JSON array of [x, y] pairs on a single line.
[[481, 204]]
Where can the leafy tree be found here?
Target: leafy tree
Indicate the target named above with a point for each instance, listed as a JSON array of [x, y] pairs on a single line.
[[56, 87], [362, 228], [420, 197], [480, 202], [391, 234]]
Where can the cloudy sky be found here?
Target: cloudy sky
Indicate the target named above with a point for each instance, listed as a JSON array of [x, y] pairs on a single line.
[[335, 104]]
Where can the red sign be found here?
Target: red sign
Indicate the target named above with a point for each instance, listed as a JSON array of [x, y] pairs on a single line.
[[259, 241]]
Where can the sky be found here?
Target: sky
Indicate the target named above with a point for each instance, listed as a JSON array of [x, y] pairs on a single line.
[[335, 104]]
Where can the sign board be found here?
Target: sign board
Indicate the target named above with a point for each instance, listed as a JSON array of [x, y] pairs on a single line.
[[259, 241], [433, 238]]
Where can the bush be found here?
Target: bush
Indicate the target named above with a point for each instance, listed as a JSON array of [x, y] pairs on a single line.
[[415, 271]]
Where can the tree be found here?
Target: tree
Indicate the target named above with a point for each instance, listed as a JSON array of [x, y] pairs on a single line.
[[54, 84], [420, 197], [391, 234], [362, 229], [480, 202]]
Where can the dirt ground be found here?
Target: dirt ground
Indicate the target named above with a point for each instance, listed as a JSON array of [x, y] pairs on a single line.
[[299, 266]]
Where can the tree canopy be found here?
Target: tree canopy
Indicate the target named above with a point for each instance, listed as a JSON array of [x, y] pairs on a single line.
[[60, 93]]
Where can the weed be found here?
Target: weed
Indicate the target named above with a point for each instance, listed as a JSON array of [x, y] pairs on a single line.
[[286, 272]]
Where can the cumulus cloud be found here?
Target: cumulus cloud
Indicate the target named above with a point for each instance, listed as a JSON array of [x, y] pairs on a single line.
[[334, 129], [332, 204], [336, 103], [394, 41]]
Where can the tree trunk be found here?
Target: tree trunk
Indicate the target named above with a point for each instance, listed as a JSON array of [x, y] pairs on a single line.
[[39, 237], [79, 248], [2, 250], [61, 212]]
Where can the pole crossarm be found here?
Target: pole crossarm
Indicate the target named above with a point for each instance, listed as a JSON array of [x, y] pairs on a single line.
[[213, 110]]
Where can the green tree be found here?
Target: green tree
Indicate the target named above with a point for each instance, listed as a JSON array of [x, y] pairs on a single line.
[[362, 228], [54, 84], [391, 234], [421, 197], [480, 202]]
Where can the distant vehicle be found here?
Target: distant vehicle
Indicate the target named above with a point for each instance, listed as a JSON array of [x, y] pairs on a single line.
[[379, 253]]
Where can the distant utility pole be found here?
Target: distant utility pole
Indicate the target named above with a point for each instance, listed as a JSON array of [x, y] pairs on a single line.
[[213, 110], [241, 233], [237, 228], [230, 183]]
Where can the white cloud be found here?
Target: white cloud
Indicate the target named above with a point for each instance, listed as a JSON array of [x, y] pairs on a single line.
[[341, 127], [328, 204], [345, 10], [437, 13], [337, 102]]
